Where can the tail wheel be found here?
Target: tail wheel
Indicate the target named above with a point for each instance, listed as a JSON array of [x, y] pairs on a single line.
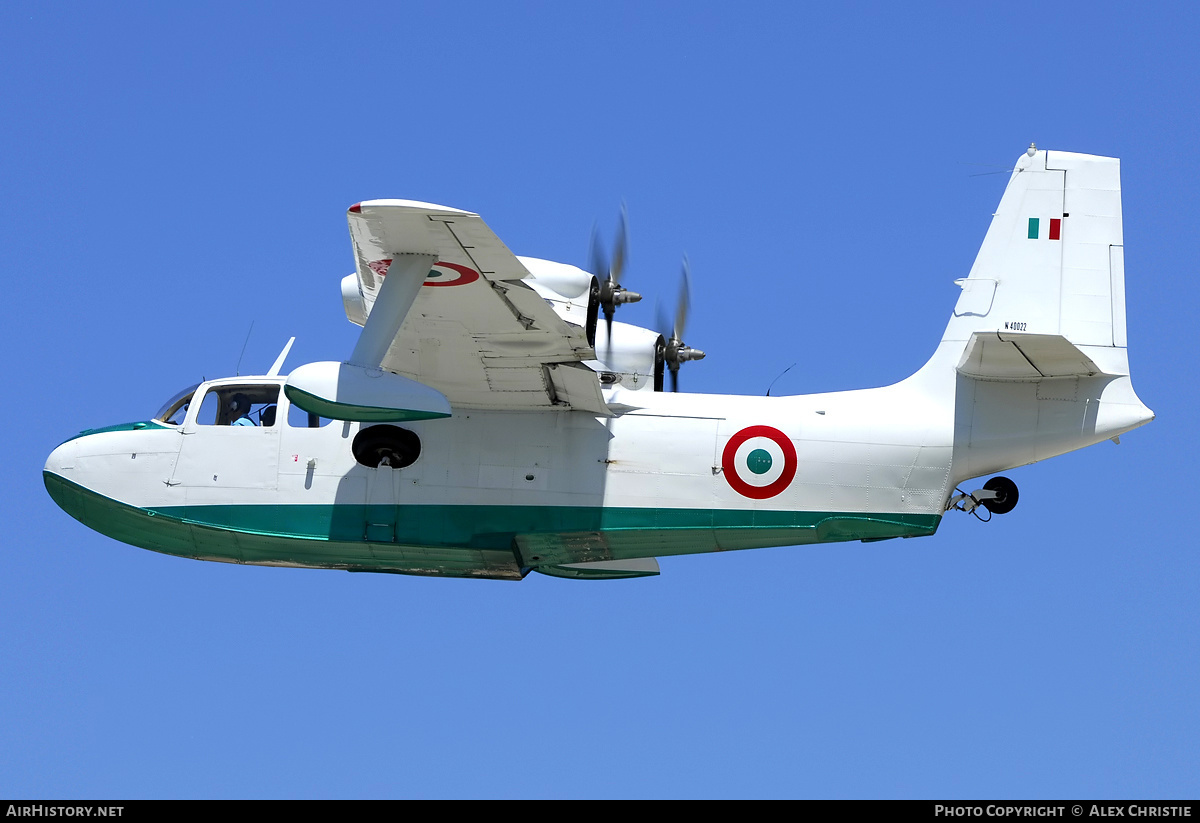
[[386, 447], [1006, 495]]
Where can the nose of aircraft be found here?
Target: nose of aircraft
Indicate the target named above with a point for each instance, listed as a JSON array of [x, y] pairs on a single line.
[[62, 460], [60, 467]]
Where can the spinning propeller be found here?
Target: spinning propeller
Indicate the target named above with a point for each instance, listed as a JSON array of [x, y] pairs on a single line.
[[671, 351], [677, 352], [612, 293]]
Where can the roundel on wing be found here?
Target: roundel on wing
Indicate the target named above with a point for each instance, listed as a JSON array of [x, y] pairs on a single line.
[[450, 274], [759, 462]]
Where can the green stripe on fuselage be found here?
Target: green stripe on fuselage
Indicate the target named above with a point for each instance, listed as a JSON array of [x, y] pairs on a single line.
[[466, 540]]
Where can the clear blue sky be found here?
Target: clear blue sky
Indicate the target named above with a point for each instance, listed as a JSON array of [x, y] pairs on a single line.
[[168, 176]]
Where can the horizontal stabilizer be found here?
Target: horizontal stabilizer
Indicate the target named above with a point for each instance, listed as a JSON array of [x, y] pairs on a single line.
[[1016, 356]]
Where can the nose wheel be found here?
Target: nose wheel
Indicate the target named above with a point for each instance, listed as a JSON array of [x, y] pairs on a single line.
[[998, 496]]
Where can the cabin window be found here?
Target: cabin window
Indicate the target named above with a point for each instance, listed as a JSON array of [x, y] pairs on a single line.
[[298, 418], [248, 406], [175, 409]]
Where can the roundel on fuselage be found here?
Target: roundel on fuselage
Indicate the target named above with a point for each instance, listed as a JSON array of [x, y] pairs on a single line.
[[759, 462]]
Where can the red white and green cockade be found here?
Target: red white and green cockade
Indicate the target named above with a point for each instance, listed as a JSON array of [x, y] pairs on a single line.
[[488, 424]]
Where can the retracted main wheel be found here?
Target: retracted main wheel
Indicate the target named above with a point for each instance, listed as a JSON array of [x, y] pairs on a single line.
[[386, 446]]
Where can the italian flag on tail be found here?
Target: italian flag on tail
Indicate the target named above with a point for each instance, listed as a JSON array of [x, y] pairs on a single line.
[[1035, 226]]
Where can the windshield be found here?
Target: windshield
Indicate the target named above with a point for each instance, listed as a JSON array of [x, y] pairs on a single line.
[[174, 410]]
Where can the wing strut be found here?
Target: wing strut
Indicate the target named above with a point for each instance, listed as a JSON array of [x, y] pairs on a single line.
[[359, 389], [400, 288]]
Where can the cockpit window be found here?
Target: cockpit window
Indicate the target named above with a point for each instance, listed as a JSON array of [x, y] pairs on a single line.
[[239, 406], [175, 409]]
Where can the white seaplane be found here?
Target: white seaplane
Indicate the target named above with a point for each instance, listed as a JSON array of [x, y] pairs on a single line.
[[488, 425]]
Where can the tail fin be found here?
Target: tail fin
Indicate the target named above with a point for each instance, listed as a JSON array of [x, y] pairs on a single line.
[[1051, 266], [1037, 339]]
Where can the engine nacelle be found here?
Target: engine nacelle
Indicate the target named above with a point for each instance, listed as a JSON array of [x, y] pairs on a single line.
[[352, 300], [566, 281], [571, 292], [635, 360]]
